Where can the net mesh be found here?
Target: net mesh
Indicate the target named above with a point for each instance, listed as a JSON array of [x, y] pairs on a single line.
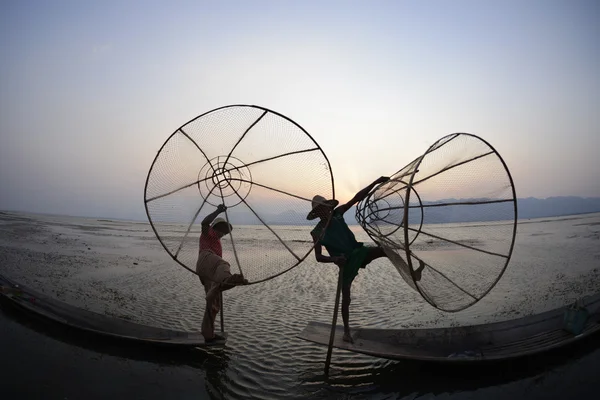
[[263, 166], [447, 221]]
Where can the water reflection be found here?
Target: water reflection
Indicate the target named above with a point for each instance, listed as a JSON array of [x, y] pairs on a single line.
[[408, 379]]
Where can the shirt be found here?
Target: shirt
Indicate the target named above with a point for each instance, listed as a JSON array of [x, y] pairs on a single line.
[[211, 241], [338, 238]]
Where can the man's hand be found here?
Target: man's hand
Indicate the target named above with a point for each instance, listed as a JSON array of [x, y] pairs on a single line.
[[383, 179], [340, 261], [221, 208], [360, 196]]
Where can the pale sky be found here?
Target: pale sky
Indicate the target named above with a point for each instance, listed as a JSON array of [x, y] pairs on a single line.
[[90, 90]]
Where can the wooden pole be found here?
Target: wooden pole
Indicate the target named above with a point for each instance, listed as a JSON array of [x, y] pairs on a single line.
[[222, 311], [334, 322]]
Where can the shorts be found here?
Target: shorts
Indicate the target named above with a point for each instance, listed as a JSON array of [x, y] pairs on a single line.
[[354, 261], [212, 271]]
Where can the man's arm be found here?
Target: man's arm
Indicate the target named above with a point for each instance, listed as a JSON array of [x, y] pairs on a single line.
[[323, 258], [361, 195], [210, 217]]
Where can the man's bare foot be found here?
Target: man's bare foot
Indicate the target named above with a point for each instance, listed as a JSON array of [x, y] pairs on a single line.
[[215, 338], [232, 281], [418, 272], [348, 337], [236, 279]]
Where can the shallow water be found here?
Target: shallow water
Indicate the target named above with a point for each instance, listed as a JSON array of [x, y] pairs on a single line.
[[119, 268]]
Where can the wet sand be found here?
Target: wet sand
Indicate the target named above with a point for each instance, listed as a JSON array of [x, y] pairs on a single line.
[[119, 268]]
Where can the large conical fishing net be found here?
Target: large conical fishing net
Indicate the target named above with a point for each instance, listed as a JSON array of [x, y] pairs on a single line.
[[263, 166], [448, 216]]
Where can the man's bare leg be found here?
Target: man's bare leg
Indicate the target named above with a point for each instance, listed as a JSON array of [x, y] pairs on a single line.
[[210, 314], [373, 254], [346, 313], [233, 281]]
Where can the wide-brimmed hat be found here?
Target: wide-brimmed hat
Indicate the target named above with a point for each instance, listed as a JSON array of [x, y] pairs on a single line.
[[317, 203], [219, 220]]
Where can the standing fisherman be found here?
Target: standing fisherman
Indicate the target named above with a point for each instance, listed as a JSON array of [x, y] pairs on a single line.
[[343, 248], [213, 271]]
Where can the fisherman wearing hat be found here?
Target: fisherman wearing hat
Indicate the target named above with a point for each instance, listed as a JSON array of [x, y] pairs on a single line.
[[339, 241], [214, 272]]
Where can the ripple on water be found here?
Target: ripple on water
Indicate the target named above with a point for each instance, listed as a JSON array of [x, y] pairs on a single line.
[[263, 357]]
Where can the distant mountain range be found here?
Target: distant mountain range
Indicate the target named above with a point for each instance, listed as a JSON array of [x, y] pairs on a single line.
[[527, 208], [532, 207]]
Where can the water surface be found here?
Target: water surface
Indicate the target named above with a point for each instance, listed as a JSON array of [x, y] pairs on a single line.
[[119, 268]]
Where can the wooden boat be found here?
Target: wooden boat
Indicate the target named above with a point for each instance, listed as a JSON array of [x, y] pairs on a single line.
[[487, 342], [75, 317]]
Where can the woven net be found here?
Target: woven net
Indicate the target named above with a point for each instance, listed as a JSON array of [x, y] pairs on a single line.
[[263, 166], [447, 221]]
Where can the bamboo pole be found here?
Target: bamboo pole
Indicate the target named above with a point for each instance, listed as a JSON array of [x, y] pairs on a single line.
[[222, 311], [334, 322]]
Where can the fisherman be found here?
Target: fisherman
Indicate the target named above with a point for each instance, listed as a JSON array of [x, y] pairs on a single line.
[[343, 248], [213, 271]]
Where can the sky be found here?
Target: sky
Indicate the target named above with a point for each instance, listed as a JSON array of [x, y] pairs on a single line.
[[90, 90]]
